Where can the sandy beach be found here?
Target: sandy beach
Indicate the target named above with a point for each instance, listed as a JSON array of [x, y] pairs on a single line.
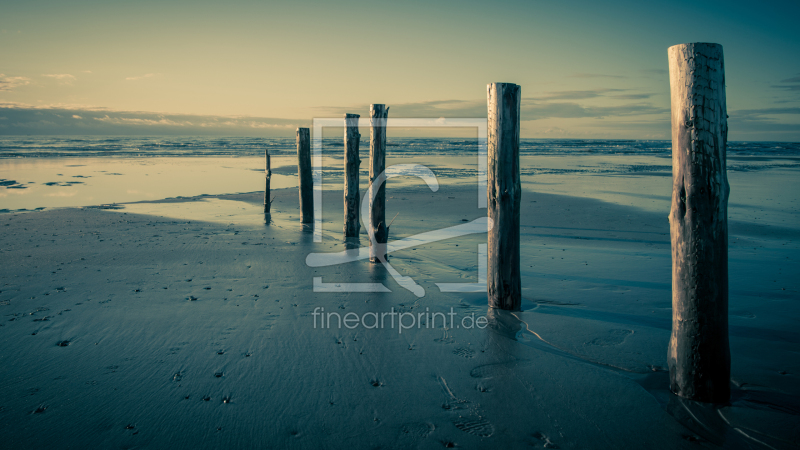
[[189, 323], [588, 237]]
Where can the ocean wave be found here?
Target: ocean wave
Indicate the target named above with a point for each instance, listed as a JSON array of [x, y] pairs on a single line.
[[121, 146]]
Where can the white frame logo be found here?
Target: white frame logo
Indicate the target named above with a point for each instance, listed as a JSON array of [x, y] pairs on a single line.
[[480, 225]]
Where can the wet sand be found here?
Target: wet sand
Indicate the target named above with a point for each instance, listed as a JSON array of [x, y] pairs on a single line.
[[189, 323]]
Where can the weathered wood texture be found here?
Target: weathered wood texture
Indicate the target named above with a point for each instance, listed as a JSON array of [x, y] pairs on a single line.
[[377, 164], [304, 175], [352, 163], [699, 353], [503, 192], [267, 176]]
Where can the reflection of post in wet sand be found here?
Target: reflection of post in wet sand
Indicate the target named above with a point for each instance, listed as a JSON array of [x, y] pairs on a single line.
[[503, 323], [378, 274], [268, 198], [351, 245], [505, 353], [306, 235]]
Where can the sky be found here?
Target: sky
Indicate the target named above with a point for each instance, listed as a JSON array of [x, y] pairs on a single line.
[[587, 69]]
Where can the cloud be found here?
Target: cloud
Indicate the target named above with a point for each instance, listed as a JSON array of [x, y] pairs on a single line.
[[427, 109], [765, 124], [792, 80], [790, 84], [594, 75], [759, 114], [538, 111], [576, 95], [631, 96], [51, 106], [555, 131], [142, 121], [10, 83], [62, 78], [147, 75], [59, 119], [530, 109], [534, 106]]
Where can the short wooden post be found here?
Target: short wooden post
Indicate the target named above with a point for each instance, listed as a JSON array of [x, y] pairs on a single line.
[[699, 354], [504, 192], [352, 163], [267, 176], [377, 164], [304, 175]]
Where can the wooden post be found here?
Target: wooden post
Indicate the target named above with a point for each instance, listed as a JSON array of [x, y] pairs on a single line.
[[304, 175], [352, 164], [377, 164], [699, 354], [267, 176], [504, 192]]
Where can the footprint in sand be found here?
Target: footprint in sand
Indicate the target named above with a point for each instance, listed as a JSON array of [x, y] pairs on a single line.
[[475, 425], [611, 337], [470, 419], [464, 352], [419, 429]]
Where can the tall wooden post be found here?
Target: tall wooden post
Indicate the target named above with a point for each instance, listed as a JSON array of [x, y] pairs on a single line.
[[699, 354], [352, 164], [377, 164], [504, 192], [304, 175], [267, 176]]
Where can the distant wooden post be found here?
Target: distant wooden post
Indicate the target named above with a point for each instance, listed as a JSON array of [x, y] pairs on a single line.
[[352, 164], [267, 176], [304, 175], [377, 164], [504, 192], [699, 354]]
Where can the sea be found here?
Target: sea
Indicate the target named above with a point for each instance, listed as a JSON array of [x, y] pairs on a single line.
[[137, 146], [43, 172]]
